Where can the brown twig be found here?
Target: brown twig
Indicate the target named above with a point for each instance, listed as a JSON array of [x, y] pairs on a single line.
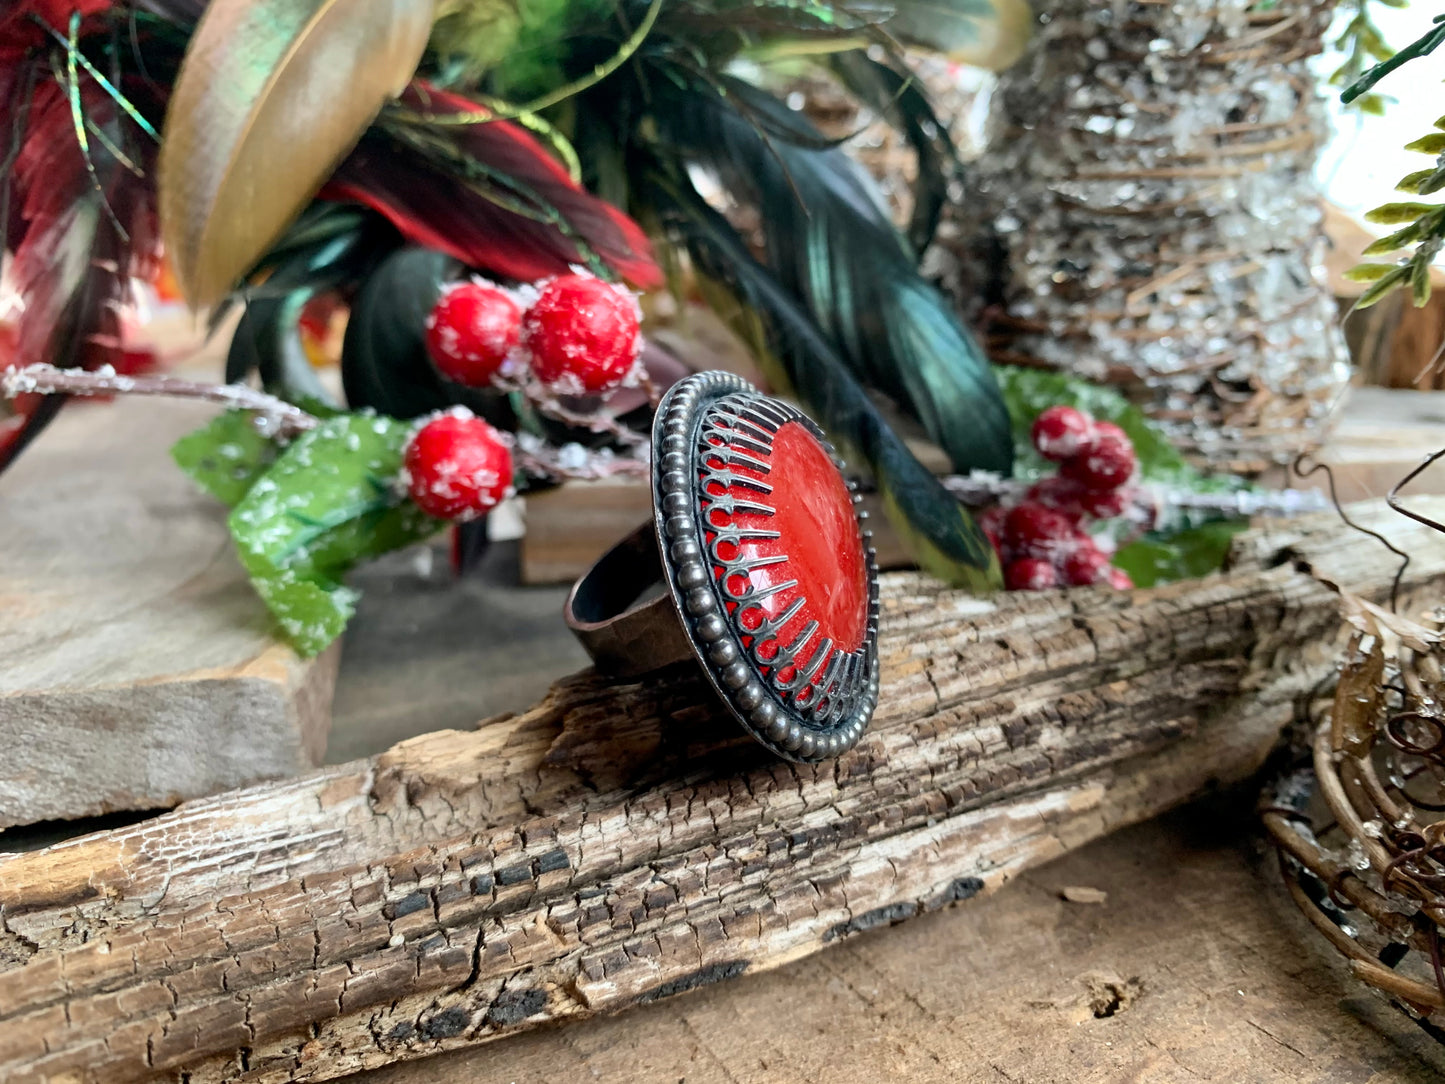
[[599, 423], [572, 462], [284, 419]]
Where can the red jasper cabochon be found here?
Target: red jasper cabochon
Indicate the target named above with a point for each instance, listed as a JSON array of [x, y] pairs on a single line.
[[787, 550]]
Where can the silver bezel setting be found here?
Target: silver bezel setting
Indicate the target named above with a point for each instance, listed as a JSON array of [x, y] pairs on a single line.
[[834, 720]]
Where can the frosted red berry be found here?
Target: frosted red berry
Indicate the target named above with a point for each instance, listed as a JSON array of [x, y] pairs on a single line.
[[1085, 566], [457, 467], [1063, 495], [1061, 432], [1029, 574], [471, 331], [990, 521], [1108, 429], [1105, 503], [1108, 463], [1118, 579], [582, 335], [1031, 530]]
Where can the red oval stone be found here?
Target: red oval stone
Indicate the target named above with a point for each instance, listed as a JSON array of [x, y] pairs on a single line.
[[821, 547]]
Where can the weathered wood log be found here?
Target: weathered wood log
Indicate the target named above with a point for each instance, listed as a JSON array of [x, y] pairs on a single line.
[[616, 844]]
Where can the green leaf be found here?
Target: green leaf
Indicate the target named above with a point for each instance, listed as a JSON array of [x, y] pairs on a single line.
[[1420, 283], [1027, 392], [1371, 104], [1382, 287], [330, 500], [1187, 554], [1393, 214], [1411, 182], [226, 455], [1369, 272], [1433, 143], [1397, 240]]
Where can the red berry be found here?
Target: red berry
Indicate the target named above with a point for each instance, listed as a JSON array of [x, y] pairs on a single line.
[[1061, 432], [1107, 464], [1119, 580], [1084, 566], [990, 521], [1029, 574], [1031, 530], [1063, 495], [1105, 503], [471, 331], [1109, 429], [457, 467], [582, 334]]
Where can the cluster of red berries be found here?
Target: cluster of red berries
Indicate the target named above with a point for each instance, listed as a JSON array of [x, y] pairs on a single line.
[[457, 466], [1041, 539], [578, 336]]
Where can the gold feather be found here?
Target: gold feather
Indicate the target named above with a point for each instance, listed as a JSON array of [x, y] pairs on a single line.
[[272, 95], [987, 33]]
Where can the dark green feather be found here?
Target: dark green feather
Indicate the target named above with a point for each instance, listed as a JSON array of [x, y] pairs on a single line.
[[832, 246], [900, 100], [384, 361], [267, 341], [940, 533], [326, 249]]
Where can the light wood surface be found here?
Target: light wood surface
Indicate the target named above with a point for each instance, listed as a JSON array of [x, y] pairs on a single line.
[[140, 668], [613, 846]]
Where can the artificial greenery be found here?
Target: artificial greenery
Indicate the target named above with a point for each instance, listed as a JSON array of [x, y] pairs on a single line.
[[1421, 225], [304, 515], [1197, 545], [1362, 46]]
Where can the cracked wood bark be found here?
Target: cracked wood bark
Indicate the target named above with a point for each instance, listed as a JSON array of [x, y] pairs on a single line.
[[616, 845]]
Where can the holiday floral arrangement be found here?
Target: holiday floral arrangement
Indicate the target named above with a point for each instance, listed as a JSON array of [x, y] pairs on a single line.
[[485, 190]]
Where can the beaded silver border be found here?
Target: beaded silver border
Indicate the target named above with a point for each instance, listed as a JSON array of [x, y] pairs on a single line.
[[716, 639]]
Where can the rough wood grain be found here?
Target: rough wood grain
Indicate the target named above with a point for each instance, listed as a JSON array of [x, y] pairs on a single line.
[[585, 856], [1197, 970], [139, 667]]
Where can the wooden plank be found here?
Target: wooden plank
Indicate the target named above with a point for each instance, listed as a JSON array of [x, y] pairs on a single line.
[[140, 667], [1382, 435], [616, 844]]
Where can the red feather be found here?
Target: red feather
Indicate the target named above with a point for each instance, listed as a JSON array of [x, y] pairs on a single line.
[[77, 238], [435, 207], [19, 30]]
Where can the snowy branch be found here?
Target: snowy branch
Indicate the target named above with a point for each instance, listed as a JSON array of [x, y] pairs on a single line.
[[285, 419]]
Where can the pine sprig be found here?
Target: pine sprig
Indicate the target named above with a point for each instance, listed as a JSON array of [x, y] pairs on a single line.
[[1424, 45], [1422, 225], [1363, 47]]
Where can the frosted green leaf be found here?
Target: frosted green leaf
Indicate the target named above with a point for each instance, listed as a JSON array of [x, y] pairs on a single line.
[[1187, 554], [329, 501], [226, 455]]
